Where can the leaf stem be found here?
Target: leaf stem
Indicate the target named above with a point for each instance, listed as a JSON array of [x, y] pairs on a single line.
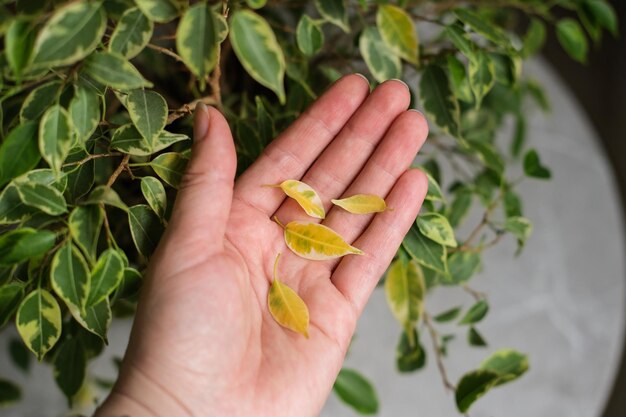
[[118, 170], [165, 51], [434, 337]]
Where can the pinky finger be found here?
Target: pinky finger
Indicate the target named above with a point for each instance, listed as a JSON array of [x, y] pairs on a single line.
[[356, 276]]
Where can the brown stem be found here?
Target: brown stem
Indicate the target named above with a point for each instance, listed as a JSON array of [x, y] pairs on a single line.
[[165, 51], [478, 295], [188, 108], [434, 337], [118, 170], [90, 157]]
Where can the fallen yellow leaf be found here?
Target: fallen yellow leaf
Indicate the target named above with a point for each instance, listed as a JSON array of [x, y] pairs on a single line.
[[304, 195], [362, 204], [286, 306]]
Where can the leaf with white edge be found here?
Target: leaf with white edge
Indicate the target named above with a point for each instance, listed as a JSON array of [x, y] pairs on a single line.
[[405, 291], [509, 363], [38, 322], [42, 197], [12, 209], [18, 42], [424, 251], [43, 176], [9, 393], [335, 12], [448, 315], [286, 306], [84, 225], [127, 139], [316, 242], [105, 277], [356, 391], [382, 63], [474, 338], [148, 111], [572, 38], [70, 364], [434, 190], [255, 44], [221, 28], [482, 75], [533, 166], [19, 152], [115, 71], [132, 33], [69, 276], [10, 297], [71, 34], [410, 354], [154, 193], [520, 227], [309, 36], [461, 266], [106, 195], [483, 27], [458, 79], [476, 313], [436, 227], [460, 39], [305, 196], [39, 100], [362, 204], [55, 136], [84, 112], [161, 11], [472, 386], [170, 167], [439, 101], [19, 245], [197, 39], [398, 31], [145, 228], [95, 319]]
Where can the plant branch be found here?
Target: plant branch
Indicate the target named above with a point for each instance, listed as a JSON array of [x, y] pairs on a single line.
[[434, 337], [165, 51], [121, 167], [188, 108], [90, 157]]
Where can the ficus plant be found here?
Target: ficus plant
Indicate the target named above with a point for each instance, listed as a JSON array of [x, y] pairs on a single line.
[[95, 104]]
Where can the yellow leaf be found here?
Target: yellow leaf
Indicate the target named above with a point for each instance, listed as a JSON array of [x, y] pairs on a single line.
[[306, 196], [362, 204], [286, 306], [316, 242]]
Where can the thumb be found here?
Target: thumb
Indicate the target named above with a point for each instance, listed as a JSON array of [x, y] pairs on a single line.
[[205, 194]]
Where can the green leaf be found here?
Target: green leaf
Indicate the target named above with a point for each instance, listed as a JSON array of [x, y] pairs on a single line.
[[148, 111], [460, 40], [105, 277], [425, 251], [398, 31], [476, 313], [9, 393], [405, 291], [458, 79], [19, 152], [70, 364], [482, 75], [483, 27], [19, 40], [601, 14], [474, 338], [520, 227], [79, 179], [436, 227], [12, 209], [71, 34], [113, 70], [20, 355], [132, 33], [38, 322], [572, 39], [488, 154], [448, 315], [512, 204], [145, 228], [438, 100], [127, 139], [309, 35], [535, 38], [84, 112], [472, 386], [19, 245], [106, 195], [459, 207], [508, 363], [335, 12], [410, 356], [55, 136], [10, 297], [356, 391], [69, 276], [42, 197], [170, 167], [39, 100], [533, 167], [197, 39], [96, 319], [264, 121], [434, 191], [382, 63], [84, 225], [258, 50], [461, 266], [154, 193], [161, 11], [256, 4]]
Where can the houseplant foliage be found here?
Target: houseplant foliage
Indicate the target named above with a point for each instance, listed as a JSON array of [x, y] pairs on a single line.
[[96, 98]]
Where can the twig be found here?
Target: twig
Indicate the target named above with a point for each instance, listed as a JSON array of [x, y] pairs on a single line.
[[165, 51], [188, 108], [478, 295], [434, 336], [90, 157], [118, 170]]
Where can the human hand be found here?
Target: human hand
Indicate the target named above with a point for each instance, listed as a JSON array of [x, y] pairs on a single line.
[[203, 342]]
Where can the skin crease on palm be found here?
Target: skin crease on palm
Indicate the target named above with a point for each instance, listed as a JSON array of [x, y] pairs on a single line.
[[203, 342]]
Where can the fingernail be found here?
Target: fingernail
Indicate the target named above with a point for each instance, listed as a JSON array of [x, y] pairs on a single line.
[[201, 122], [362, 76], [417, 111], [400, 81]]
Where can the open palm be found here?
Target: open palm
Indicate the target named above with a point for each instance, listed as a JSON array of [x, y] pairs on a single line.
[[203, 342]]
